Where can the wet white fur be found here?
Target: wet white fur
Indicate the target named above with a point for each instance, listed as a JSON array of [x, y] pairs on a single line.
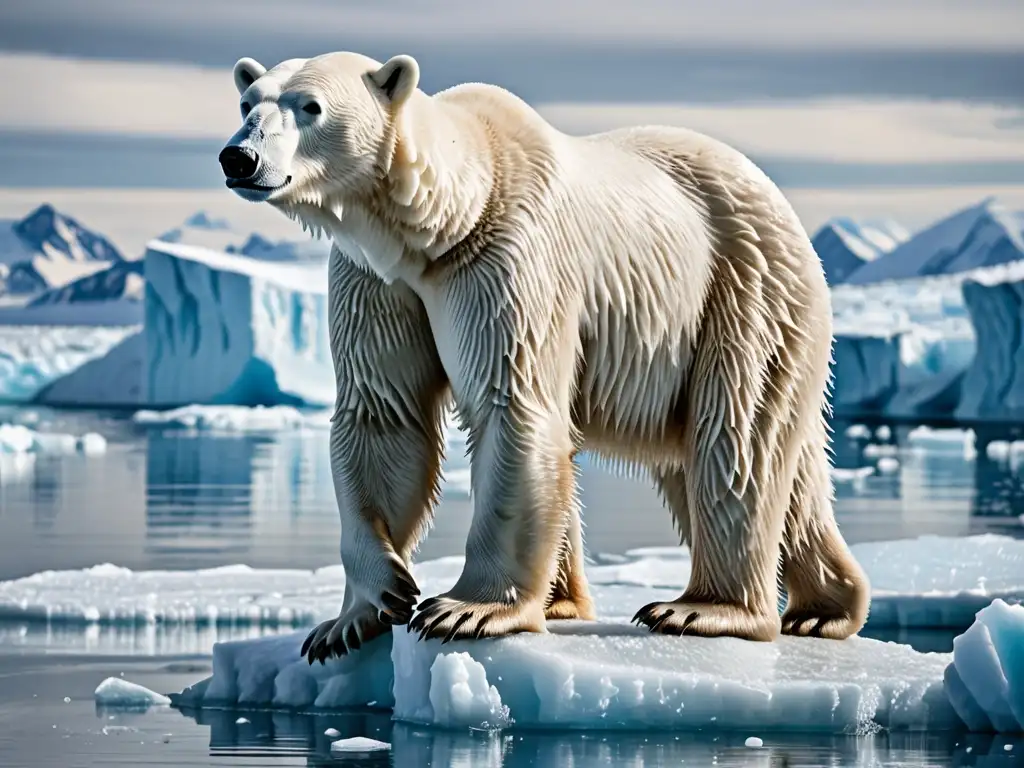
[[646, 293]]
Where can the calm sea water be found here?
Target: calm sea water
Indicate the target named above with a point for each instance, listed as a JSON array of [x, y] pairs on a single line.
[[174, 499]]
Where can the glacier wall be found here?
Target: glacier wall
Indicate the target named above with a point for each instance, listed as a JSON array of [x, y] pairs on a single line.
[[227, 329], [994, 383]]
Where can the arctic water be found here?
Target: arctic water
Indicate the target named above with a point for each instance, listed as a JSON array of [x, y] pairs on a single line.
[[171, 498]]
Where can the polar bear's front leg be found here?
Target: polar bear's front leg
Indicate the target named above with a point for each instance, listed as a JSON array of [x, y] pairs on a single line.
[[386, 450], [524, 483]]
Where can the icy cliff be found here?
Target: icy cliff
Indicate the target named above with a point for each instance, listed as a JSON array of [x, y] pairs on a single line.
[[227, 329]]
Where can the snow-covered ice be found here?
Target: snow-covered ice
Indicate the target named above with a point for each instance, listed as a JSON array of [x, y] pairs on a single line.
[[118, 693], [612, 675], [603, 676], [228, 329], [931, 581], [985, 679], [34, 360]]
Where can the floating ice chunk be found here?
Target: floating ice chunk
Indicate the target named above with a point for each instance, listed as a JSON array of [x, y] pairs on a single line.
[[234, 418], [887, 465], [359, 744], [753, 742], [332, 733], [883, 433], [118, 693], [858, 432], [92, 444], [851, 475], [19, 439], [873, 450], [985, 679], [241, 721], [600, 676]]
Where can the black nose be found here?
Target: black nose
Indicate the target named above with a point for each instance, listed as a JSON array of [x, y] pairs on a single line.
[[238, 162]]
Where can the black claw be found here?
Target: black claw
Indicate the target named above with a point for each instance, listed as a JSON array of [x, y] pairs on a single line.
[[429, 603], [654, 626], [385, 618], [306, 643], [689, 620], [816, 630], [437, 622], [644, 614], [482, 625], [455, 627], [352, 638], [396, 604]]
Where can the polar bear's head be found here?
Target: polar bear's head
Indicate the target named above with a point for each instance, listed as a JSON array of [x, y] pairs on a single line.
[[314, 129]]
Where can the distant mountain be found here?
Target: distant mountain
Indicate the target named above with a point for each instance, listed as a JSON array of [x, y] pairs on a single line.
[[258, 247], [844, 245], [983, 235], [48, 249], [123, 280]]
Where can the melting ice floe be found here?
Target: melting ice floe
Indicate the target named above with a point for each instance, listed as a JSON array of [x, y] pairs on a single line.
[[913, 583], [607, 676]]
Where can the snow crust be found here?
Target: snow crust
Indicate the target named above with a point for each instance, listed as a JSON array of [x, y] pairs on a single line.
[[931, 581]]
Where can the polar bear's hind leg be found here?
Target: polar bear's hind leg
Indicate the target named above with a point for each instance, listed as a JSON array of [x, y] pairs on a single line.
[[828, 592]]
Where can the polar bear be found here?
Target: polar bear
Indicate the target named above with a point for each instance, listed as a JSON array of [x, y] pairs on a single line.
[[647, 294]]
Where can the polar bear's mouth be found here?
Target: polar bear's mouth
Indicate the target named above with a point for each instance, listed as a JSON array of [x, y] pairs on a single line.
[[247, 184]]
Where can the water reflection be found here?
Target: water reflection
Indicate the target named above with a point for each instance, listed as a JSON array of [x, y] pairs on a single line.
[[274, 734], [185, 500]]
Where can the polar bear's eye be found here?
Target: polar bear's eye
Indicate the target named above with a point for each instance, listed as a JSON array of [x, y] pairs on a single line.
[[312, 108]]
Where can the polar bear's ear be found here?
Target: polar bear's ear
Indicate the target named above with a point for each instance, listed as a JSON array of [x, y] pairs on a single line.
[[247, 71], [397, 79]]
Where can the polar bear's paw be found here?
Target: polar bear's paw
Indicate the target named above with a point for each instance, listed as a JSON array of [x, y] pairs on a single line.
[[338, 637], [707, 619], [566, 608], [450, 619]]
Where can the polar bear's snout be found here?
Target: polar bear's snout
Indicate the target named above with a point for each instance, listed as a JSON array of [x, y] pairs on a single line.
[[238, 163]]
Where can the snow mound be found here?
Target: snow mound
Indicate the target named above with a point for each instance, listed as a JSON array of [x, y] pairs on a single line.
[[915, 584], [985, 680], [228, 329], [982, 235], [234, 418], [598, 676], [844, 245], [118, 693]]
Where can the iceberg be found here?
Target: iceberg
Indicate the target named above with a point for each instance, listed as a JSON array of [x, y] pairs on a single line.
[[865, 371], [994, 383], [985, 679], [982, 235], [589, 675], [613, 676], [843, 244], [228, 329]]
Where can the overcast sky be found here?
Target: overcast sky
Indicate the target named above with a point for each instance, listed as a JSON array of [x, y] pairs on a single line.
[[823, 93]]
